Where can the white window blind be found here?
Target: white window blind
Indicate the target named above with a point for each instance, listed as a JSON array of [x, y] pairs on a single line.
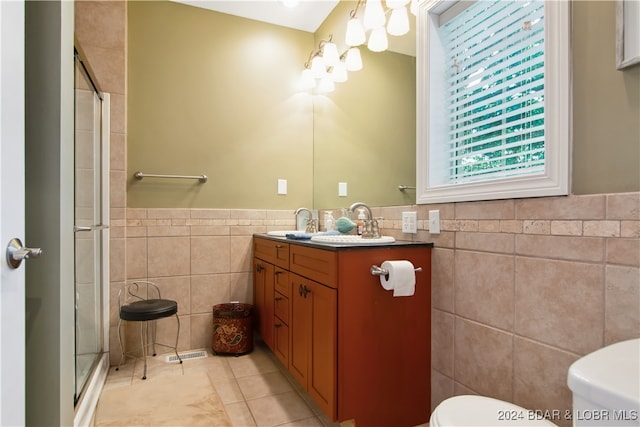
[[495, 82]]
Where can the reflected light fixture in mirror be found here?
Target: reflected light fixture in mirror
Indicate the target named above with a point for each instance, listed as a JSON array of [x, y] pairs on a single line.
[[326, 66]]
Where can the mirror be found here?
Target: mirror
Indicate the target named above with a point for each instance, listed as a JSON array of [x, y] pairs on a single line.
[[213, 94], [365, 131]]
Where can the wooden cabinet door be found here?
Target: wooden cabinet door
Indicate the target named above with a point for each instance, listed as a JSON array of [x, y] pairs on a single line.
[[322, 353], [264, 288], [281, 342], [312, 360], [299, 330]]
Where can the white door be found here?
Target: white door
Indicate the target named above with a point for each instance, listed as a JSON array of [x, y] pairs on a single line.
[[12, 283]]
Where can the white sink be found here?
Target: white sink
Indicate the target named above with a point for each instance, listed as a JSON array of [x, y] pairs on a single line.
[[353, 240]]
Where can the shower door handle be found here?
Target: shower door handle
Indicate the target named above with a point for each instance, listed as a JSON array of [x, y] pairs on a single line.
[[77, 229], [16, 253]]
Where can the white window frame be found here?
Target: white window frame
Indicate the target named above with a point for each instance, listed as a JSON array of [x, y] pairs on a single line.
[[558, 118]]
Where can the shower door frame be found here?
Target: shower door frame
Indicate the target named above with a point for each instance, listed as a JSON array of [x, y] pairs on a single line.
[[85, 397]]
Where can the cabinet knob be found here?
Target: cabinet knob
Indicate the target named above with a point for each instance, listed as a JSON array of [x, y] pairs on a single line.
[[259, 268], [278, 325], [279, 298]]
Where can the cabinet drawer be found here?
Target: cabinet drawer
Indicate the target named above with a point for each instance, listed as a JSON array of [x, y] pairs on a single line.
[[282, 281], [282, 307], [315, 264], [272, 251]]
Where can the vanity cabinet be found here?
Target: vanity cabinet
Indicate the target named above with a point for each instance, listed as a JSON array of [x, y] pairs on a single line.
[[359, 352]]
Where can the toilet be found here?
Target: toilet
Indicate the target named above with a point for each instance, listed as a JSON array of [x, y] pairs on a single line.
[[605, 386], [481, 411]]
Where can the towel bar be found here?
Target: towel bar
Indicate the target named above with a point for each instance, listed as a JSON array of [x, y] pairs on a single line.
[[140, 175]]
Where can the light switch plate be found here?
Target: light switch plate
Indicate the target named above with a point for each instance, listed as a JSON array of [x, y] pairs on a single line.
[[434, 222], [282, 186], [409, 222], [342, 189]]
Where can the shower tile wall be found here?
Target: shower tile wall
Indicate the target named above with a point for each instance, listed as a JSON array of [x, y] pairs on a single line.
[[199, 257]]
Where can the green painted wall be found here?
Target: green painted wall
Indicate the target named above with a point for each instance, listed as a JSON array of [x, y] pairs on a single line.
[[214, 94], [606, 105]]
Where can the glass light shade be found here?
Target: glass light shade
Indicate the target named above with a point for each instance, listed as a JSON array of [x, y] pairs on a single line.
[[318, 69], [326, 85], [398, 24], [395, 4], [353, 61], [290, 3], [355, 33], [307, 81], [374, 14], [378, 41], [339, 73], [330, 55], [414, 7]]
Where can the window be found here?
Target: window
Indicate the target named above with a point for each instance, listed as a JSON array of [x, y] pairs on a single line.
[[493, 100]]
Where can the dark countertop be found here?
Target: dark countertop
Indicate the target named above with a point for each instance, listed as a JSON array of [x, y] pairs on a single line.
[[336, 247]]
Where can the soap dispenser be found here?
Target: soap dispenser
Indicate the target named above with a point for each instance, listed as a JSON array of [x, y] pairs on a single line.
[[329, 221], [360, 223]]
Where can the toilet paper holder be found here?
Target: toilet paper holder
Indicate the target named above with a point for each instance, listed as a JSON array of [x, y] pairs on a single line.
[[379, 271]]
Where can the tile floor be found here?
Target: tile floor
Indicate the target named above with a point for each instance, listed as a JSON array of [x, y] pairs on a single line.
[[254, 388]]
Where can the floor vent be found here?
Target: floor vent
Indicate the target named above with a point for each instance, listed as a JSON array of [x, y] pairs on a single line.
[[187, 355]]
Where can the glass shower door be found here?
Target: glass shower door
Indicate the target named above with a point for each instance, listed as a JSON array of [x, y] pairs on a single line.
[[89, 228]]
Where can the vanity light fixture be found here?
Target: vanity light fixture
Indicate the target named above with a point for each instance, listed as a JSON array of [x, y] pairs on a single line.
[[375, 18], [353, 59], [325, 66], [378, 41], [398, 24]]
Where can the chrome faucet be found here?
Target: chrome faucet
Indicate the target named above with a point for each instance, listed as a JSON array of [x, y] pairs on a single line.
[[371, 229], [312, 224]]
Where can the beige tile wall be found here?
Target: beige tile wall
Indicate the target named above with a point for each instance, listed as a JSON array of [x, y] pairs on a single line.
[[523, 288], [198, 257]]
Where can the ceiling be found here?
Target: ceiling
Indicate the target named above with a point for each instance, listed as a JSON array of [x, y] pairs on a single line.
[[306, 16]]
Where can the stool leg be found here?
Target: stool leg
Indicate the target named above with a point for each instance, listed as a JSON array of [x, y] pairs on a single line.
[[144, 334], [153, 337], [121, 346], [177, 336]]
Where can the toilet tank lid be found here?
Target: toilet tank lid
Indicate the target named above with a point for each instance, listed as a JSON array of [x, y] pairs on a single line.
[[610, 376]]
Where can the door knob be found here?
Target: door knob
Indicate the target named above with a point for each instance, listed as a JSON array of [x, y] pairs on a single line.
[[16, 253]]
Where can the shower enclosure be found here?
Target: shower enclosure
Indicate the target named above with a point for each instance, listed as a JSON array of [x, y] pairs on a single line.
[[91, 237]]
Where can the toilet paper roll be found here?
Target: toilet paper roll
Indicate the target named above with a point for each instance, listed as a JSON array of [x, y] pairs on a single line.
[[401, 277]]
